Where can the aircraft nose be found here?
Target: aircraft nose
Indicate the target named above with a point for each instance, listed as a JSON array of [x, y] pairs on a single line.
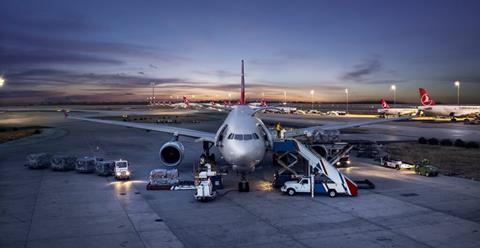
[[247, 155]]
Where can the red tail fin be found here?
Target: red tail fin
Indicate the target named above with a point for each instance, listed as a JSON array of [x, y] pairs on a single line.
[[263, 103], [242, 87], [185, 100], [384, 104], [425, 98]]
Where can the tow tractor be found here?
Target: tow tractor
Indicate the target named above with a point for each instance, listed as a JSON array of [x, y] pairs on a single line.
[[205, 189], [424, 168], [121, 171]]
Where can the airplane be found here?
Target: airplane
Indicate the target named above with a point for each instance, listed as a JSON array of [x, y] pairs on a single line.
[[242, 139], [386, 110], [260, 104], [429, 108], [185, 104], [282, 108]]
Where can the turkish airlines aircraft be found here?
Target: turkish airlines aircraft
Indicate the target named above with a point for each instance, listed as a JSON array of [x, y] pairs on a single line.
[[282, 108], [430, 109], [186, 104], [242, 139], [386, 110]]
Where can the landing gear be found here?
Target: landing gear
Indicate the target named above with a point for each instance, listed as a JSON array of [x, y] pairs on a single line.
[[452, 117], [243, 185], [206, 157]]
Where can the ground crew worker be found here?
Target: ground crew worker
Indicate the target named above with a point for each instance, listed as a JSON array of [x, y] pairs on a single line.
[[282, 133], [278, 128]]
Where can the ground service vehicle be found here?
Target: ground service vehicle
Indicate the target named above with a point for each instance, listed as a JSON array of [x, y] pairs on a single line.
[[321, 185], [343, 161], [396, 164], [121, 170], [424, 168]]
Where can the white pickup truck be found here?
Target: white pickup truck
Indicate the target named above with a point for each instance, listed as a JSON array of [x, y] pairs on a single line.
[[321, 185], [396, 164]]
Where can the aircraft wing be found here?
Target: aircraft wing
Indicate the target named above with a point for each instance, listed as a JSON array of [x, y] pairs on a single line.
[[309, 130], [206, 136]]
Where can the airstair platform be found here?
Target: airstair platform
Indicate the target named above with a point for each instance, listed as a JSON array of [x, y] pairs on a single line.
[[318, 165]]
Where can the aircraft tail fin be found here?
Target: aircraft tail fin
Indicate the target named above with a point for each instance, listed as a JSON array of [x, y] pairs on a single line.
[[384, 104], [242, 86], [185, 100], [425, 98], [263, 103]]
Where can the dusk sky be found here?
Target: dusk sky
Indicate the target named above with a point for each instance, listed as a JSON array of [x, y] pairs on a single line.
[[112, 50]]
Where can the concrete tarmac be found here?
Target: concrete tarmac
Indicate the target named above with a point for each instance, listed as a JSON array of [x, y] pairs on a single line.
[[43, 208]]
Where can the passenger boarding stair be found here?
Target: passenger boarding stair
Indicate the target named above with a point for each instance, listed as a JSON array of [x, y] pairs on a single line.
[[287, 160], [319, 165]]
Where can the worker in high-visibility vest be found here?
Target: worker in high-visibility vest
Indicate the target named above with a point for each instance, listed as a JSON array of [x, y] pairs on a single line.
[[278, 128]]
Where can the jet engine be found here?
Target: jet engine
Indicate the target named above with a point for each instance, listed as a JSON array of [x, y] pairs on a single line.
[[171, 153], [326, 136]]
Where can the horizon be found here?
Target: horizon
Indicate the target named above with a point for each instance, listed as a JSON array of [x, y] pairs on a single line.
[[111, 51]]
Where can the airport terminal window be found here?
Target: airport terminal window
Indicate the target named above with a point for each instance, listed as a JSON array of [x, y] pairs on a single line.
[[247, 137], [230, 136], [238, 137]]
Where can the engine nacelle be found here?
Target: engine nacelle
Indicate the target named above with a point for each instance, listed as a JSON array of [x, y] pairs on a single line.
[[326, 136], [171, 153]]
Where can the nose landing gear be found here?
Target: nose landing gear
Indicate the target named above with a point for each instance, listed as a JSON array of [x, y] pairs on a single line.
[[243, 185]]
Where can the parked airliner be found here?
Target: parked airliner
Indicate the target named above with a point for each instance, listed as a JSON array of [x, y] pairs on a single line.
[[429, 108], [386, 110], [242, 139]]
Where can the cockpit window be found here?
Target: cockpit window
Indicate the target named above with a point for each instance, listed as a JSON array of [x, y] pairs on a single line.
[[243, 136]]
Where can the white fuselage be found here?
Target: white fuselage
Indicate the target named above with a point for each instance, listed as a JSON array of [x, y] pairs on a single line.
[[397, 111], [450, 110], [242, 139]]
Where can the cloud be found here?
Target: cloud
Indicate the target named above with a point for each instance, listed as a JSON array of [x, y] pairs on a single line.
[[218, 73], [9, 58], [26, 42], [361, 71], [73, 23], [55, 77], [5, 94]]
